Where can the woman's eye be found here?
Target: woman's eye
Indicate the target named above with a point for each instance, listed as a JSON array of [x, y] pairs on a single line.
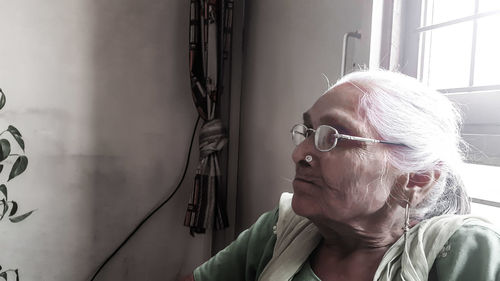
[[342, 131]]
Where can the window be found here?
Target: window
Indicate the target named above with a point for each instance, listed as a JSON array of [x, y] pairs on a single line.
[[459, 44], [482, 184], [454, 46]]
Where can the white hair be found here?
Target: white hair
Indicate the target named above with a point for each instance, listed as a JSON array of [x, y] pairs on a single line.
[[401, 109]]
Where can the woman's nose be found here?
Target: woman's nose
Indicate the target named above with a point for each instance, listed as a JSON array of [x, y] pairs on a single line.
[[303, 150]]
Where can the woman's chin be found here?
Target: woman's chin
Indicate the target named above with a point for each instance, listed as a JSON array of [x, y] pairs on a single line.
[[300, 205]]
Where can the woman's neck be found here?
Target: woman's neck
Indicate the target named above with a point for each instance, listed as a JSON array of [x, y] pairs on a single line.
[[378, 231], [330, 262]]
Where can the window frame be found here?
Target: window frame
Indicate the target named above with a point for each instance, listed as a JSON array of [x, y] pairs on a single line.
[[411, 61]]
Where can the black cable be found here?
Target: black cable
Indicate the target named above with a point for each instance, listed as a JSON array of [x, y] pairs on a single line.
[[151, 213]]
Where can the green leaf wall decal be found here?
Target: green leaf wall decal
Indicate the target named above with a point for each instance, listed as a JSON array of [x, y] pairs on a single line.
[[5, 208], [21, 217], [18, 167], [3, 189], [2, 99], [4, 149], [17, 135], [13, 210]]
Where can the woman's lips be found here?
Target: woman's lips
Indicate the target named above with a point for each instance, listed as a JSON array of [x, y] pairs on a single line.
[[303, 180], [300, 180]]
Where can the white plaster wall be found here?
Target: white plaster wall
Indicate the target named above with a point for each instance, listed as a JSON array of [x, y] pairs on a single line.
[[288, 44], [100, 91]]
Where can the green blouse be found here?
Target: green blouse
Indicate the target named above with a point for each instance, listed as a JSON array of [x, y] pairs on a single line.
[[472, 253]]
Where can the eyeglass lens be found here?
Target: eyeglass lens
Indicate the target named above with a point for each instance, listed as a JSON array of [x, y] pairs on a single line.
[[324, 136], [299, 134]]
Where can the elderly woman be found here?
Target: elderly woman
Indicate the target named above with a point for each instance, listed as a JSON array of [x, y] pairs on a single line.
[[376, 195]]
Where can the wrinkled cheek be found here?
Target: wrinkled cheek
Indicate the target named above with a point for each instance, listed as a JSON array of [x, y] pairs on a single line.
[[357, 181], [343, 180], [372, 187], [353, 184]]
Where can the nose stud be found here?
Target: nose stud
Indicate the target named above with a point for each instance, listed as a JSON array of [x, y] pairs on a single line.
[[309, 158]]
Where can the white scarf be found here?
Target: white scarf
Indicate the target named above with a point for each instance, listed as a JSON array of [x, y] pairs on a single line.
[[297, 237]]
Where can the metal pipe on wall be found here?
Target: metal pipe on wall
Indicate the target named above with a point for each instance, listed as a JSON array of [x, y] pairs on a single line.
[[354, 34]]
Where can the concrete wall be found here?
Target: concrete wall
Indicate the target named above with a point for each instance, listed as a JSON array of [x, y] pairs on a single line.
[[100, 91], [288, 44]]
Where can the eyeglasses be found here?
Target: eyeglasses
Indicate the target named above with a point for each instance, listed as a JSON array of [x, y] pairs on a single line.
[[325, 137]]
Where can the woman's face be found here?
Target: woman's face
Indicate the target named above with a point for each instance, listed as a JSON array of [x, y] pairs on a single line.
[[350, 183]]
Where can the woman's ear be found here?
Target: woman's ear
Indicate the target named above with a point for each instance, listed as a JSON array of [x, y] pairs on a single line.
[[418, 185], [411, 188]]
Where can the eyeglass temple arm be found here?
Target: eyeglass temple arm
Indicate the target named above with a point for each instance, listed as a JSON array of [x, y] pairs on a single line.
[[394, 143], [342, 136]]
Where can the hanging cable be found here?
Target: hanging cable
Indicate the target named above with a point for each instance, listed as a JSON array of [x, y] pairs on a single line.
[[152, 212]]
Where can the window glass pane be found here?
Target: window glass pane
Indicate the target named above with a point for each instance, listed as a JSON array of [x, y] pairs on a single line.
[[488, 212], [487, 58], [481, 181], [445, 57], [488, 5], [439, 11]]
